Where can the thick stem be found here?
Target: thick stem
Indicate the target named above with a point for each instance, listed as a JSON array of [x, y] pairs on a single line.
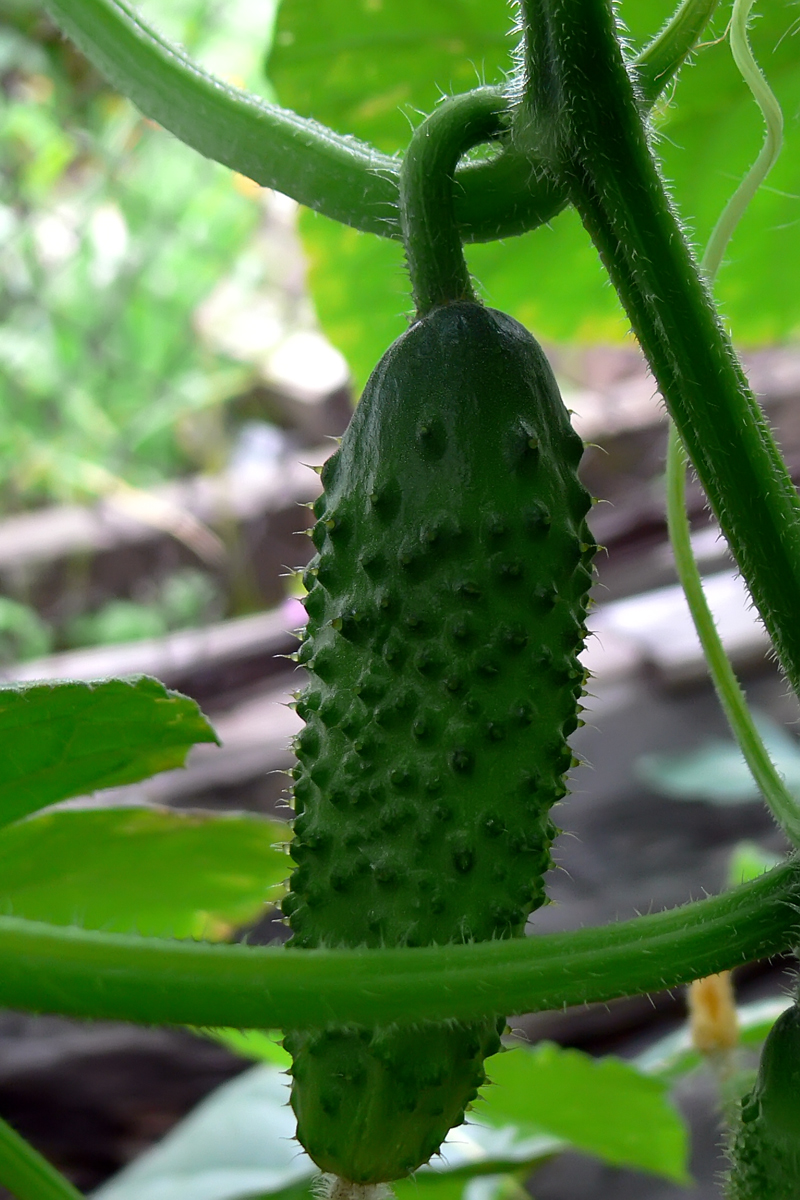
[[338, 176], [581, 91], [46, 968], [435, 256]]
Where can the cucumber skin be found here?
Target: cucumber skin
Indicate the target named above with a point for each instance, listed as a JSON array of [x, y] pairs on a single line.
[[765, 1146], [446, 608]]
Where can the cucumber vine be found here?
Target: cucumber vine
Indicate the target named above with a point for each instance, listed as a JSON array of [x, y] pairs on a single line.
[[571, 129]]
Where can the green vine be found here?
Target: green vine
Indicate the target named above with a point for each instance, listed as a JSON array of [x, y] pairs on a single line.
[[153, 981], [781, 802], [341, 177], [434, 252], [582, 109]]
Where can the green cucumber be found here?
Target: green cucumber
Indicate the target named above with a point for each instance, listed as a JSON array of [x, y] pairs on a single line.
[[446, 608], [765, 1145]]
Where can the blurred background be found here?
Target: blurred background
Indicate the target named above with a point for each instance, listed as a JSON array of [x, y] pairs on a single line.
[[178, 347]]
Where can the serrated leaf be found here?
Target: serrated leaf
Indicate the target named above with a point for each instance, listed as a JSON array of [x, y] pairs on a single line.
[[60, 740], [146, 870], [368, 68], [603, 1107]]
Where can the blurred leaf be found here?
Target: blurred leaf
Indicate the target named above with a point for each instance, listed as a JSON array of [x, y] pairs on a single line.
[[748, 861], [360, 289], [240, 1143], [717, 772], [237, 1143], [116, 621], [673, 1056], [144, 870], [259, 1044], [603, 1107], [60, 740], [369, 68], [23, 633]]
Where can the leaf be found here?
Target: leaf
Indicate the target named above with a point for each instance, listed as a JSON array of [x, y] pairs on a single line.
[[262, 1045], [149, 870], [59, 740], [603, 1107], [748, 861], [361, 292], [674, 1055], [717, 772], [369, 68], [240, 1143], [551, 279]]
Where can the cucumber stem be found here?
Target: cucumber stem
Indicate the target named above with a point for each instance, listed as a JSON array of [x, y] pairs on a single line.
[[79, 972], [581, 98], [434, 252]]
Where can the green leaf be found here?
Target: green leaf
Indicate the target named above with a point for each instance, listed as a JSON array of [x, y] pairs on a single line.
[[238, 1143], [716, 771], [550, 279], [363, 298], [145, 870], [262, 1045], [708, 139], [603, 1107], [59, 740], [361, 291], [749, 860], [369, 68]]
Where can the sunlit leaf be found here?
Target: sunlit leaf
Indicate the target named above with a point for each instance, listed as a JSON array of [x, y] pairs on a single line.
[[551, 279], [369, 67], [604, 1107], [59, 740], [146, 870]]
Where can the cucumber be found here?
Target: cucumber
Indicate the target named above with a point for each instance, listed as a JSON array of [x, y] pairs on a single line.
[[765, 1145], [446, 609]]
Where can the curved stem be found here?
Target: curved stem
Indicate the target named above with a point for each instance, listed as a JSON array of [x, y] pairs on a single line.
[[431, 235], [580, 87], [341, 177], [732, 699], [661, 60], [770, 150], [26, 1174], [82, 973]]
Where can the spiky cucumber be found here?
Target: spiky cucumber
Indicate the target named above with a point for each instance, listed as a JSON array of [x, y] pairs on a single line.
[[446, 609], [765, 1146]]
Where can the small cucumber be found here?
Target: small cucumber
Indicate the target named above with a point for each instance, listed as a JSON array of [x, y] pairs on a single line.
[[446, 608], [765, 1146]]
